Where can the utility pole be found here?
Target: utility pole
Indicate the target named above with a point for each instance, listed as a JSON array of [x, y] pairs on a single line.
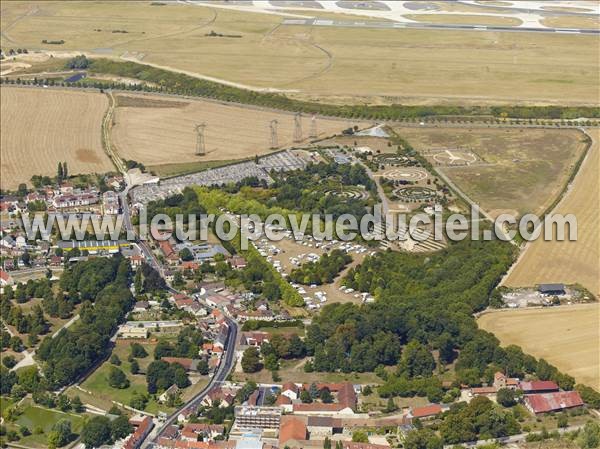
[[274, 140], [200, 147], [297, 127]]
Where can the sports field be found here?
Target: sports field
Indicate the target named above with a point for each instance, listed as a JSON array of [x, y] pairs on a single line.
[[569, 262], [41, 128], [326, 62], [565, 336], [504, 170], [158, 130]]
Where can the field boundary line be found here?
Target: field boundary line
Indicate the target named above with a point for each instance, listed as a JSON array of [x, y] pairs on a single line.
[[106, 134]]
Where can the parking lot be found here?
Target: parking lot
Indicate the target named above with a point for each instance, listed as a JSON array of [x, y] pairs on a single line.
[[230, 174]]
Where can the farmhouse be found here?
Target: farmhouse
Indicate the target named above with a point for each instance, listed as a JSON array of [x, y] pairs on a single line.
[[501, 381], [552, 402], [482, 391]]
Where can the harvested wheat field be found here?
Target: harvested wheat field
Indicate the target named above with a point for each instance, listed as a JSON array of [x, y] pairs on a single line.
[[566, 336], [569, 262], [43, 127], [158, 130]]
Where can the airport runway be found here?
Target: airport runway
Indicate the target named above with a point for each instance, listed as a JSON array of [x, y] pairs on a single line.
[[429, 26]]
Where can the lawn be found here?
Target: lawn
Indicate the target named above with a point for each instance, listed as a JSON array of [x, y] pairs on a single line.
[[97, 383], [34, 417], [101, 394]]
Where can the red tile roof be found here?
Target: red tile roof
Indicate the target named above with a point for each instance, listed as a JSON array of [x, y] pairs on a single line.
[[424, 412], [142, 430], [547, 402], [318, 407], [291, 429], [291, 386], [539, 385], [190, 265], [283, 400], [184, 302]]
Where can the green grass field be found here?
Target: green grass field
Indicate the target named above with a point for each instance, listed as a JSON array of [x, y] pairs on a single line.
[[35, 418], [98, 385]]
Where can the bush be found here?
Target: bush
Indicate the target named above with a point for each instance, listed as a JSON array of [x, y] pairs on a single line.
[[78, 62]]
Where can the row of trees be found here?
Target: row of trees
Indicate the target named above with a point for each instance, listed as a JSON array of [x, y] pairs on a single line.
[[187, 85]]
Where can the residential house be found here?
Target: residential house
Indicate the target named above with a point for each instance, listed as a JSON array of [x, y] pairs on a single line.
[[141, 306], [237, 262], [170, 392], [142, 429], [290, 390], [192, 431], [218, 394], [5, 279], [255, 338]]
